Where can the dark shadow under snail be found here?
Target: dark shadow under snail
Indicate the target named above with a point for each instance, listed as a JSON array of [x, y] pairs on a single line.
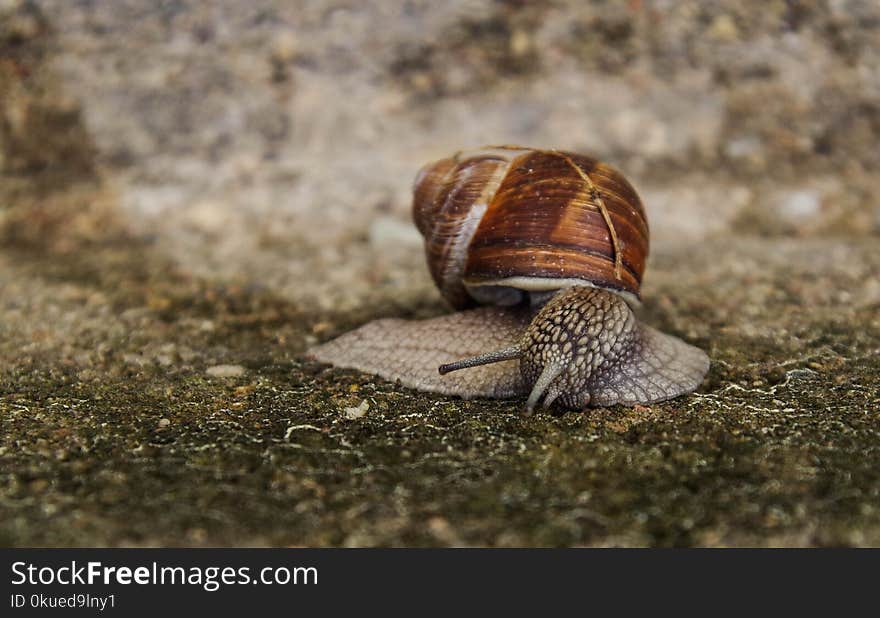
[[552, 245]]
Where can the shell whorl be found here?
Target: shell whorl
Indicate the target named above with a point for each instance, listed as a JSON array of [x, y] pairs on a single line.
[[450, 199], [508, 218]]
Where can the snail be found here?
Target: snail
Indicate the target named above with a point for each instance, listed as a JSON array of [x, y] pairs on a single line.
[[541, 253]]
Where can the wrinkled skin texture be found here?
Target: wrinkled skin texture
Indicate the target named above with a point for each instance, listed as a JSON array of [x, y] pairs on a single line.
[[604, 356], [410, 351], [597, 350]]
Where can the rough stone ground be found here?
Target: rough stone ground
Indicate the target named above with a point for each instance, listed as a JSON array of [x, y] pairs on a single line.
[[192, 193]]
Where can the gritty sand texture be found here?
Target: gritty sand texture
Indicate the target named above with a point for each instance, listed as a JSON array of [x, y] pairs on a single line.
[[193, 193]]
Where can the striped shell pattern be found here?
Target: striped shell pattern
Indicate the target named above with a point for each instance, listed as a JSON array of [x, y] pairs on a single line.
[[502, 221]]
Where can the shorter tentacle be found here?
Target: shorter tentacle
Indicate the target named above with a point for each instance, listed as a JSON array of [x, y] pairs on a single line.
[[549, 373]]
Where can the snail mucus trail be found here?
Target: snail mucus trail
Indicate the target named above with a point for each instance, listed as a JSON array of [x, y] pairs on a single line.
[[541, 253]]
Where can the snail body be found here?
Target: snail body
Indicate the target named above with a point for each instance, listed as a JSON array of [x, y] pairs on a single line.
[[550, 247]]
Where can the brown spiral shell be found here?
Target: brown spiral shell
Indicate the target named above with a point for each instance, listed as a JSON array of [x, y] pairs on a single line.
[[508, 218]]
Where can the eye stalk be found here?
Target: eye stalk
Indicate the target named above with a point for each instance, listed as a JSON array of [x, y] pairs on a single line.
[[549, 373], [483, 359]]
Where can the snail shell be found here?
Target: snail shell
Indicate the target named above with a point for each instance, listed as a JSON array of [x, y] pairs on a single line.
[[565, 231], [501, 222]]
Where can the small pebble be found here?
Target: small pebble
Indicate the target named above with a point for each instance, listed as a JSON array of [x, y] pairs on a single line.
[[723, 28], [321, 327], [163, 423], [225, 371], [800, 205], [743, 147], [356, 413], [391, 231], [520, 43], [285, 48]]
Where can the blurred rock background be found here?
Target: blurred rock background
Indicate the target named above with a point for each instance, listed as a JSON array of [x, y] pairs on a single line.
[[279, 139], [191, 192]]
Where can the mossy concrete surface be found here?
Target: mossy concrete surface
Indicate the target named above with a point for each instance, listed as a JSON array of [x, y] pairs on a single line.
[[114, 431]]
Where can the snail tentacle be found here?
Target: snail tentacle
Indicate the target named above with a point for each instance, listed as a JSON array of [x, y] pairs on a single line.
[[549, 373], [497, 356]]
